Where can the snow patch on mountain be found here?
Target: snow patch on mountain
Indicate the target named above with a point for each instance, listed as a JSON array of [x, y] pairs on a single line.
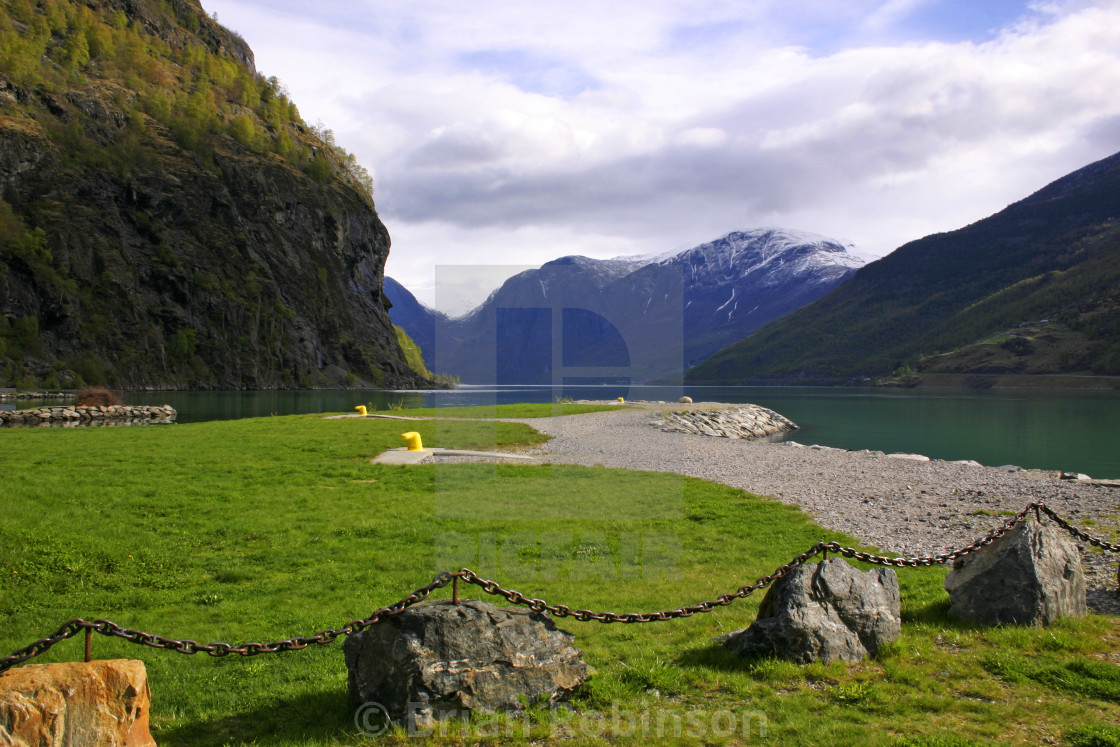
[[772, 254]]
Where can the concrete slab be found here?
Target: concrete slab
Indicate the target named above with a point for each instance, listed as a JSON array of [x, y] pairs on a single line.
[[488, 454], [401, 456], [370, 416], [404, 456]]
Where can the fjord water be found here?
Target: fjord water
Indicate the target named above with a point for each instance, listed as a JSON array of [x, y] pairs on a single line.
[[1073, 430]]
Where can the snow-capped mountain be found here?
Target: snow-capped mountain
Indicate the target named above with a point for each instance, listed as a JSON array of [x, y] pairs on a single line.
[[642, 318], [775, 254], [738, 283]]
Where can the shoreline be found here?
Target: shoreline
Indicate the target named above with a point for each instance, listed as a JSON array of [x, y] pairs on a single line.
[[972, 381], [983, 382], [901, 504]]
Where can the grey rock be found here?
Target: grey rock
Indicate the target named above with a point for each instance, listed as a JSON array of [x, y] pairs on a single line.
[[746, 421], [1030, 576], [439, 660], [824, 612]]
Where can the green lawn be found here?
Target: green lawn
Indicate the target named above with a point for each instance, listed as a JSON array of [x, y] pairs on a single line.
[[270, 528]]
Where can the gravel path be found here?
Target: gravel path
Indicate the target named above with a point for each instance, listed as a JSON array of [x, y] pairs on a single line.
[[900, 505]]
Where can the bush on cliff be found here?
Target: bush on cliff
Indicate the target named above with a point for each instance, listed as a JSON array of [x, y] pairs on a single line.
[[96, 396]]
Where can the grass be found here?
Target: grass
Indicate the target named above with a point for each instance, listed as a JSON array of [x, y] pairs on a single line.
[[269, 528]]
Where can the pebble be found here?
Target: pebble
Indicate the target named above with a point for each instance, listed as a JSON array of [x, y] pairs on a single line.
[[897, 503]]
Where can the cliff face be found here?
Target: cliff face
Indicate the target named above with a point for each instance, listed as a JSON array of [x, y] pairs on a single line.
[[168, 220]]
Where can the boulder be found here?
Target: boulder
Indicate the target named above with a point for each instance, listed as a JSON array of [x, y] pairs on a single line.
[[104, 703], [824, 612], [1030, 576], [441, 660], [685, 400]]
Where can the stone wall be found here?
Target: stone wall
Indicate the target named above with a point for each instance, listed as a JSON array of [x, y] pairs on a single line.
[[82, 415], [5, 396]]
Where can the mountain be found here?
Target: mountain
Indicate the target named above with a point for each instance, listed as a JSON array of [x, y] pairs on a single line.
[[1034, 288], [167, 218], [640, 318], [415, 318], [738, 283]]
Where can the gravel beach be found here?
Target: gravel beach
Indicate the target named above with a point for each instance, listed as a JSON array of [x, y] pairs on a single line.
[[898, 503]]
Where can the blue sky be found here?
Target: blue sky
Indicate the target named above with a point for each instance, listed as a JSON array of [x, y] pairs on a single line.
[[506, 134]]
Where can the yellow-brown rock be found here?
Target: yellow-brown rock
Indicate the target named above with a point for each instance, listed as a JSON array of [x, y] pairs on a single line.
[[102, 703]]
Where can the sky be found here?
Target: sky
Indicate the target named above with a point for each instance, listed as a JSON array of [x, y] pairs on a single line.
[[504, 134]]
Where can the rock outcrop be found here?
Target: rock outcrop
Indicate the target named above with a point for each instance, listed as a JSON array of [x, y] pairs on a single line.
[[749, 421], [442, 660], [1030, 576], [104, 703], [169, 221], [824, 612]]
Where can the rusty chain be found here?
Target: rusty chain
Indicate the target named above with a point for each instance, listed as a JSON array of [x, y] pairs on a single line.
[[1094, 541], [821, 548], [562, 610], [323, 637], [187, 646]]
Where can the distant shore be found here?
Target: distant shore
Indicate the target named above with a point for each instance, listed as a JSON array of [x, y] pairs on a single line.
[[1011, 381]]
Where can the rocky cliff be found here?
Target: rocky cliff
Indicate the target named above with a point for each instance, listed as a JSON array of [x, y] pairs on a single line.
[[168, 219]]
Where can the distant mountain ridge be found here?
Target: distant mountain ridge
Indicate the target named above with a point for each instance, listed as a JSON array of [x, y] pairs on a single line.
[[1052, 256], [644, 318]]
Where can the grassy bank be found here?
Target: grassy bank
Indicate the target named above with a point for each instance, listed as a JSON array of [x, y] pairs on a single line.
[[269, 528]]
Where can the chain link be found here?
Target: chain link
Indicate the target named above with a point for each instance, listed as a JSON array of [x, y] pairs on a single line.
[[584, 615], [1094, 541], [187, 646], [560, 610]]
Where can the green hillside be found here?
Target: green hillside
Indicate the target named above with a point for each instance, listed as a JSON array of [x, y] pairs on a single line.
[[934, 302], [167, 218]]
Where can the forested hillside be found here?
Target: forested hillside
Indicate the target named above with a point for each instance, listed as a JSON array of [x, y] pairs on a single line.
[[168, 219], [1032, 289]]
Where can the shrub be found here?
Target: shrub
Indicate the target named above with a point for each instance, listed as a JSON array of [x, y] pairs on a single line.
[[96, 396], [1092, 736]]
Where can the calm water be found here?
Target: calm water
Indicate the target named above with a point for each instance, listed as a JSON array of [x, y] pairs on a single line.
[[1047, 429]]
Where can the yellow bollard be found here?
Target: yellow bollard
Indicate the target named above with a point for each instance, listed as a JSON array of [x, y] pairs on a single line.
[[414, 442], [621, 399], [361, 410]]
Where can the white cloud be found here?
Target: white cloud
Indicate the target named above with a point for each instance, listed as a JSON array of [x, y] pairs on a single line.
[[530, 130]]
